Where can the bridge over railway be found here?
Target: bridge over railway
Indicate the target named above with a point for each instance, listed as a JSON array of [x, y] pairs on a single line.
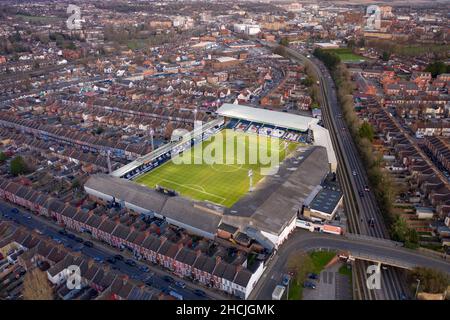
[[366, 248]]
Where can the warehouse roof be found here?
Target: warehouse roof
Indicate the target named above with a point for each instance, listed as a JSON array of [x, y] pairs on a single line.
[[275, 118]]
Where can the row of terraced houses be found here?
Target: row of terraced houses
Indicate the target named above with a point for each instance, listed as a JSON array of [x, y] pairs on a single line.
[[183, 261]]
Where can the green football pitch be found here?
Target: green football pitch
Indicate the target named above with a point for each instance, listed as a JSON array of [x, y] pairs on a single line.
[[217, 170]]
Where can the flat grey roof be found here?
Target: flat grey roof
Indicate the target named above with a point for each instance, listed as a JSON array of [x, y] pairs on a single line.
[[275, 118], [326, 200], [176, 208], [277, 198]]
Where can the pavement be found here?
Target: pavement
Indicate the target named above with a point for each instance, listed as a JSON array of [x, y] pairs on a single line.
[[101, 252]]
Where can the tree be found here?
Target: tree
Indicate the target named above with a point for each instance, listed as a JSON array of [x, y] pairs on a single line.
[[385, 56], [284, 42], [280, 50], [351, 43], [3, 157], [437, 68], [18, 166], [366, 131], [36, 286], [431, 281], [361, 43], [401, 232], [330, 59]]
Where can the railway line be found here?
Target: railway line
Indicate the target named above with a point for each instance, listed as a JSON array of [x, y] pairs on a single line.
[[351, 173]]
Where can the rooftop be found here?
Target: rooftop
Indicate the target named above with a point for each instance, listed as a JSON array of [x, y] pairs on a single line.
[[279, 119]]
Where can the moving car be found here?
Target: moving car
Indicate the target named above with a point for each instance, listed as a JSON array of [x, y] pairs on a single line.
[[88, 244]]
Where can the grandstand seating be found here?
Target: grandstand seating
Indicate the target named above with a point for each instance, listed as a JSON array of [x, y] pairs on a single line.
[[268, 130]]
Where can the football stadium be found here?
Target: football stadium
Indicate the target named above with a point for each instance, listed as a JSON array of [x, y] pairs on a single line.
[[245, 176], [193, 176]]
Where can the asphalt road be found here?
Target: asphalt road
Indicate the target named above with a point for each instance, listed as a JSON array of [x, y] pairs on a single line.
[[305, 241], [101, 252]]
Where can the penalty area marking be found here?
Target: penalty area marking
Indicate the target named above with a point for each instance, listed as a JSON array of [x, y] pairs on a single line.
[[195, 189]]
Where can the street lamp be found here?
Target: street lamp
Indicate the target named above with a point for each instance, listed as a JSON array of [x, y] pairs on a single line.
[[417, 288]]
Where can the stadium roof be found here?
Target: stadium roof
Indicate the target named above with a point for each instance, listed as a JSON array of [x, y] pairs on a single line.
[[177, 210], [276, 200], [275, 118]]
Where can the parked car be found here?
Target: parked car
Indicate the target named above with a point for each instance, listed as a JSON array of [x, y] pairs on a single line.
[[118, 257], [199, 293], [71, 236], [62, 232], [309, 285], [313, 276], [144, 268], [78, 239], [15, 210], [98, 259], [131, 262], [180, 284], [168, 279], [286, 279], [361, 194], [88, 244], [111, 260]]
